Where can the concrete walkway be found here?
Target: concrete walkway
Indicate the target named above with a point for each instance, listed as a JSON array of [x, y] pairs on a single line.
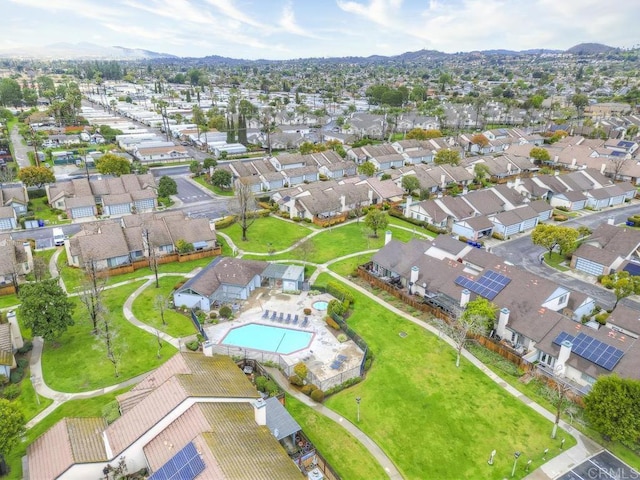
[[365, 440], [584, 449]]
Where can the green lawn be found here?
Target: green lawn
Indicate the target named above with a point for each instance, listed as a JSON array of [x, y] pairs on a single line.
[[218, 191], [144, 309], [73, 276], [430, 416], [339, 241], [402, 223], [28, 401], [91, 407], [7, 301], [554, 260], [266, 234], [345, 454], [347, 266], [77, 362], [43, 211]]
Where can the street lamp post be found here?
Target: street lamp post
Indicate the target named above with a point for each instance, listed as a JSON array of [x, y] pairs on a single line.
[[358, 407], [516, 455]]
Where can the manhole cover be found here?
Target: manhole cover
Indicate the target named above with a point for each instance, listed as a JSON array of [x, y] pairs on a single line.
[[403, 334]]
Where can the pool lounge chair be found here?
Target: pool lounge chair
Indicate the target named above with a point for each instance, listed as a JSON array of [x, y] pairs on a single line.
[[288, 318], [281, 317], [336, 365], [342, 358], [305, 322], [273, 315], [265, 314], [295, 319]]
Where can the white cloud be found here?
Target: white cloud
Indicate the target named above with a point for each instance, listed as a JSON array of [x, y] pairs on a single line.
[[381, 12], [288, 23]]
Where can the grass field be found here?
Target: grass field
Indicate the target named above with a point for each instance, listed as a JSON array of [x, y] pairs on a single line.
[[430, 417], [554, 260], [8, 301], [267, 234], [77, 361], [144, 309], [345, 454], [91, 407], [218, 191]]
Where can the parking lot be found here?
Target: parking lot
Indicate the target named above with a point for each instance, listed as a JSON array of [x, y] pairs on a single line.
[[603, 466]]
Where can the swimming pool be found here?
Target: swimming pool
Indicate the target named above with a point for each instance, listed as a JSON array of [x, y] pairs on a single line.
[[320, 305], [267, 338]]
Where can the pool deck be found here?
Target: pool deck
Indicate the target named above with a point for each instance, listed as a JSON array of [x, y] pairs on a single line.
[[324, 347]]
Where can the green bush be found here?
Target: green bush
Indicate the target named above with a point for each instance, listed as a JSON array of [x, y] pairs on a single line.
[[225, 311], [225, 222], [339, 291], [335, 307], [301, 370], [22, 363], [317, 396], [342, 386], [11, 392], [261, 382], [560, 218], [4, 380], [332, 323], [111, 411], [16, 375], [271, 388], [342, 338], [563, 208], [193, 345], [601, 318], [296, 380], [307, 389]]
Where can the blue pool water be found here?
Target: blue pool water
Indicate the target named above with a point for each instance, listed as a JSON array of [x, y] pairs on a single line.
[[320, 305], [267, 338]]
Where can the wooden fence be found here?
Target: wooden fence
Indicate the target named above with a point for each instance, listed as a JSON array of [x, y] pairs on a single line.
[[327, 222], [418, 304], [169, 258], [7, 290]]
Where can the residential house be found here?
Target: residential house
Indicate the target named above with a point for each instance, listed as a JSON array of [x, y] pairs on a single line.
[[83, 198], [367, 125], [112, 243], [518, 220], [606, 250], [197, 414], [570, 200], [428, 211], [224, 280], [611, 196], [14, 196], [161, 154], [473, 228], [16, 261]]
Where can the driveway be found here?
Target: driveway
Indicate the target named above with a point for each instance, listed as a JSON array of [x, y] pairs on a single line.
[[190, 193], [19, 149]]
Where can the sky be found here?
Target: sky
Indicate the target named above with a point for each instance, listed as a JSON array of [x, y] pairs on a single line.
[[288, 29]]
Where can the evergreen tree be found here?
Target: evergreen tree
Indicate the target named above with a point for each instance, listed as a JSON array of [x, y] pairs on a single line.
[[242, 130]]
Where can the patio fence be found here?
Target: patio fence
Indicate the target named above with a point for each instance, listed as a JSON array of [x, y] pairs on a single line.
[[357, 339], [276, 359], [198, 325]]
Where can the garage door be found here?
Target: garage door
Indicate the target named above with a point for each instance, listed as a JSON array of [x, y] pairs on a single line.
[[5, 224], [121, 209], [589, 267], [82, 212]]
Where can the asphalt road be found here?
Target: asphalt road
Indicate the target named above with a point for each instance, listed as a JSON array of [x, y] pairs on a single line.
[[19, 149], [527, 255], [189, 193]]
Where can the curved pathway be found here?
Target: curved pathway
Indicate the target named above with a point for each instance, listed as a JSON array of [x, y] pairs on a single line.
[[584, 449]]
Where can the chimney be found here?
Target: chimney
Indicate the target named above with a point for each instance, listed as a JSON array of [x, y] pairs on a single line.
[[370, 196], [387, 236], [413, 278], [343, 203], [508, 167], [610, 221], [443, 182], [603, 168], [260, 411], [465, 296], [27, 250], [207, 349], [503, 319], [563, 356], [407, 206]]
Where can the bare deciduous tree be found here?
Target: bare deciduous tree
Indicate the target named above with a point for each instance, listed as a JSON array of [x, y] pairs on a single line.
[[461, 329], [244, 206], [108, 337], [39, 268], [161, 303], [557, 392], [616, 165], [91, 296]]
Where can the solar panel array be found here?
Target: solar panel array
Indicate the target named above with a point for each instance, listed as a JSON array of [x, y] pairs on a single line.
[[489, 285], [589, 348], [184, 465]]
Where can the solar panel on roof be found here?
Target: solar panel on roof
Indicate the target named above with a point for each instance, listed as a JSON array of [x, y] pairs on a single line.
[[489, 285], [592, 349], [632, 268], [184, 465]]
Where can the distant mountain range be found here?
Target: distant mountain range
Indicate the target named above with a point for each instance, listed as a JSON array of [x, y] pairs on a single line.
[[83, 51], [90, 51]]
